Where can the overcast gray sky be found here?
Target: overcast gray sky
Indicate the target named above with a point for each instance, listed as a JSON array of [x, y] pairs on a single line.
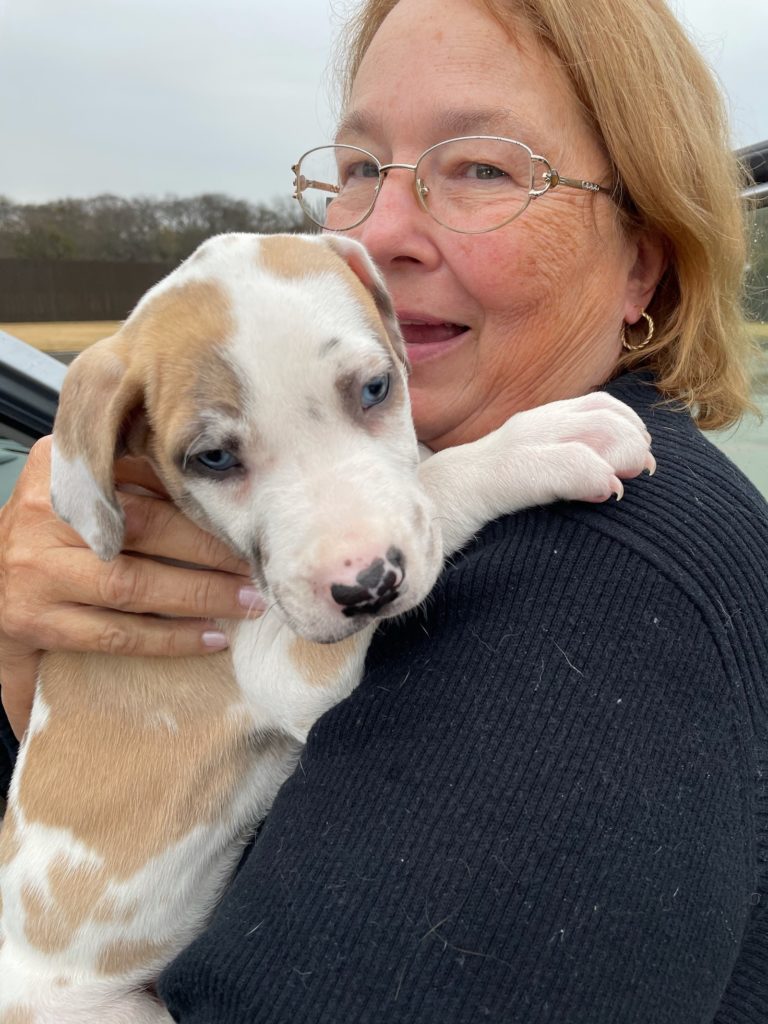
[[187, 96]]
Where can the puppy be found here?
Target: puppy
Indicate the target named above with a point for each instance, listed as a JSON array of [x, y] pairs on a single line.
[[266, 380]]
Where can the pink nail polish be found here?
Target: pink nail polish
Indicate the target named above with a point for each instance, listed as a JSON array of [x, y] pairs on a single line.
[[214, 640], [251, 599]]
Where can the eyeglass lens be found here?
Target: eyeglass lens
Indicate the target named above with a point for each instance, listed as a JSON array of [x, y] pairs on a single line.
[[473, 184]]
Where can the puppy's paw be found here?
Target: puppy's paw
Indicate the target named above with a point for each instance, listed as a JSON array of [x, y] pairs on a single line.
[[582, 448]]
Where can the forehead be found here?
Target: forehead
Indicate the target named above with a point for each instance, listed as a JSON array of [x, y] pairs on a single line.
[[437, 68]]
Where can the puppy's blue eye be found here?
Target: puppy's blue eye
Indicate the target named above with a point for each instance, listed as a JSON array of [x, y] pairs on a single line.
[[375, 391], [219, 460]]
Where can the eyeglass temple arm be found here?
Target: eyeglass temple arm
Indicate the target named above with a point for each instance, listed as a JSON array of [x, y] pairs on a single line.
[[553, 178], [301, 183]]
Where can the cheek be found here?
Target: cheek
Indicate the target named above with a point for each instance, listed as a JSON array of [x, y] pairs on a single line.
[[485, 265], [555, 266], [504, 271]]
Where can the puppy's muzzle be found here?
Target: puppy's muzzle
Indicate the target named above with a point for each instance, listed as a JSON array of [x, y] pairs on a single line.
[[380, 583]]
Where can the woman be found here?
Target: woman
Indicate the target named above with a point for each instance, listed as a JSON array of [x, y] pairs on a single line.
[[544, 801]]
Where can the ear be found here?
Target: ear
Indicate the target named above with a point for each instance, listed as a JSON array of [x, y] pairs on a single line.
[[97, 395], [650, 261], [355, 255]]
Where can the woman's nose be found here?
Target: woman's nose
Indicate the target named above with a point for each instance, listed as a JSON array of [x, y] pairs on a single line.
[[398, 226]]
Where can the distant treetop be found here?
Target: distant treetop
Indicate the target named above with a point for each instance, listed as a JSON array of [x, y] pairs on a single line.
[[142, 229]]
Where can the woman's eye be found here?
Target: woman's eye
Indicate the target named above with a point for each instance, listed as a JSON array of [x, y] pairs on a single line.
[[485, 172], [375, 391], [218, 460], [361, 169]]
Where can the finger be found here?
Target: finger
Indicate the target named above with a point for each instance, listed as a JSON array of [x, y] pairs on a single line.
[[144, 586], [136, 470], [117, 633], [18, 677], [155, 527]]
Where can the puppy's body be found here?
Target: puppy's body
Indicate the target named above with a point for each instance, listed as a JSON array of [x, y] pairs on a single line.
[[253, 379]]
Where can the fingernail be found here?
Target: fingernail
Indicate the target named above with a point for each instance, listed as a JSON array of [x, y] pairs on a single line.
[[214, 640], [250, 598]]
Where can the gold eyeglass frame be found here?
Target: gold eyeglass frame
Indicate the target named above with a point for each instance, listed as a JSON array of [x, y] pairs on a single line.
[[551, 178]]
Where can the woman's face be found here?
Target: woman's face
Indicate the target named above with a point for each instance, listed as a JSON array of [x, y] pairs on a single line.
[[526, 314]]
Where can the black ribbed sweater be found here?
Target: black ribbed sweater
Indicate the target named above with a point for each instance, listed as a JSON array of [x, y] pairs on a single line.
[[547, 800]]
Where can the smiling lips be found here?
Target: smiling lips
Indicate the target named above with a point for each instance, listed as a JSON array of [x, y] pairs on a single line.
[[426, 338]]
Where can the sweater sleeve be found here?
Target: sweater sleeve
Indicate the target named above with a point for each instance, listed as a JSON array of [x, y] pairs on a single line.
[[538, 806]]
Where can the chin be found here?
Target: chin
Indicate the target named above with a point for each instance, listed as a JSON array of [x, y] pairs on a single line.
[[434, 418]]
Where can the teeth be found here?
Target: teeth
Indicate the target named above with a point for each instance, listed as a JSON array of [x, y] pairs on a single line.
[[425, 323]]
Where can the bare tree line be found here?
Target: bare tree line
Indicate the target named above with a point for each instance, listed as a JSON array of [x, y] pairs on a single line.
[[142, 229], [165, 230]]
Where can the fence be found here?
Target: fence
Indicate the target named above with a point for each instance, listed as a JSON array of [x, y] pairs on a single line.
[[42, 291]]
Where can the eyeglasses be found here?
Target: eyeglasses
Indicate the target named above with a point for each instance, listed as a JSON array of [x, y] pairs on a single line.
[[472, 184]]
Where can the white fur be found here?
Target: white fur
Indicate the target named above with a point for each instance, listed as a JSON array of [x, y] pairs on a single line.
[[78, 497]]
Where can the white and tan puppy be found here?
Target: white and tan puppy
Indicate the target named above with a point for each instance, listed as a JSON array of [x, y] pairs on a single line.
[[265, 379]]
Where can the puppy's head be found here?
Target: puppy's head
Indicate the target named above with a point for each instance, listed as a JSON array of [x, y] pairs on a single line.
[[265, 379]]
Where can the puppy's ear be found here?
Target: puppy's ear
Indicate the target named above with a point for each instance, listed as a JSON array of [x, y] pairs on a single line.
[[98, 394], [360, 263]]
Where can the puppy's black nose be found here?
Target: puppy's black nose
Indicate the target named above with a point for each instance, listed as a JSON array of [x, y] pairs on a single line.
[[377, 585]]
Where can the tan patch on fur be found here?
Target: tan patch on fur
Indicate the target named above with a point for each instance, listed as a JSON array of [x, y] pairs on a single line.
[[124, 956], [72, 885], [42, 931], [157, 358], [322, 664], [76, 894], [120, 729], [17, 1015], [293, 257], [10, 844], [97, 375]]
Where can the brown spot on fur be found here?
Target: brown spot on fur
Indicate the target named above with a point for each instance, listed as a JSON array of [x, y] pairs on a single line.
[[10, 844], [72, 886], [156, 720], [97, 375], [42, 931], [124, 956], [162, 358], [77, 893], [322, 664], [17, 1014], [294, 257]]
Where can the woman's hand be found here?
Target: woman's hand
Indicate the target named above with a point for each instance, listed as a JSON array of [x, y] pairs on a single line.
[[55, 594]]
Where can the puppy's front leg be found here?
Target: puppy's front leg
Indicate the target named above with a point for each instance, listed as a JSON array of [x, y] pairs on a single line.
[[576, 450]]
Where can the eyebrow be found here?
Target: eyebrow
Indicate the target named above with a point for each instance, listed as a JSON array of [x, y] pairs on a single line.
[[447, 123]]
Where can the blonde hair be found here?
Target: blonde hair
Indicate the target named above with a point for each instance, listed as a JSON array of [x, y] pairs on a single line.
[[655, 106]]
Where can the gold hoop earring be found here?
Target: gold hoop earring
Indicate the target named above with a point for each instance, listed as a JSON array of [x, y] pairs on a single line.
[[636, 348]]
